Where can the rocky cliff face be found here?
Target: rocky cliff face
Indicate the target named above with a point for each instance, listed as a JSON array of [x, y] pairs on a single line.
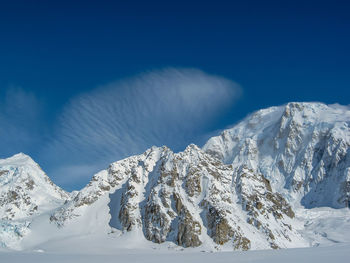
[[241, 191], [189, 198]]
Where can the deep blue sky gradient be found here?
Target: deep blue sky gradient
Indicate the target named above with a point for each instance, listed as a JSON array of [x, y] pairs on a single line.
[[278, 51]]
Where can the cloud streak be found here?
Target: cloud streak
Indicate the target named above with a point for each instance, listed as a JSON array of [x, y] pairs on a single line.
[[172, 107]]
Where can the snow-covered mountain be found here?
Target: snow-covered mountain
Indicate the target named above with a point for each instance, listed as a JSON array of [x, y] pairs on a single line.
[[25, 191], [188, 198], [257, 185], [302, 148]]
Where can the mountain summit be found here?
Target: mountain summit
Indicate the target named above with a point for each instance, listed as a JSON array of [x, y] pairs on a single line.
[[302, 148], [25, 190]]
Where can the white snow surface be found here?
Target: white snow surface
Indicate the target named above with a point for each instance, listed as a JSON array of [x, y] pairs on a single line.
[[336, 253]]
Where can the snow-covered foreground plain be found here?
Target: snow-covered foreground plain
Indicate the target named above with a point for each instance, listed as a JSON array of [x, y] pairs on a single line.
[[336, 253], [327, 230]]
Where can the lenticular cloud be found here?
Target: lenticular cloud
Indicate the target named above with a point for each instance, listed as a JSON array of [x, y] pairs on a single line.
[[168, 107]]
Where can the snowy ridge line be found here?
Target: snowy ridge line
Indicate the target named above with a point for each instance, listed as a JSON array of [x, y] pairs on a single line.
[[259, 185]]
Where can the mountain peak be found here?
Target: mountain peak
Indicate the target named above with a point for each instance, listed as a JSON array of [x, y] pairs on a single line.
[[301, 146], [25, 189], [19, 158]]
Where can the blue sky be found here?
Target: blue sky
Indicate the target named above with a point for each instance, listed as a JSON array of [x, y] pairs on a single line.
[[86, 83]]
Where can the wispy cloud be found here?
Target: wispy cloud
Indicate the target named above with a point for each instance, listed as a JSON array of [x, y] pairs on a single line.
[[171, 107]]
